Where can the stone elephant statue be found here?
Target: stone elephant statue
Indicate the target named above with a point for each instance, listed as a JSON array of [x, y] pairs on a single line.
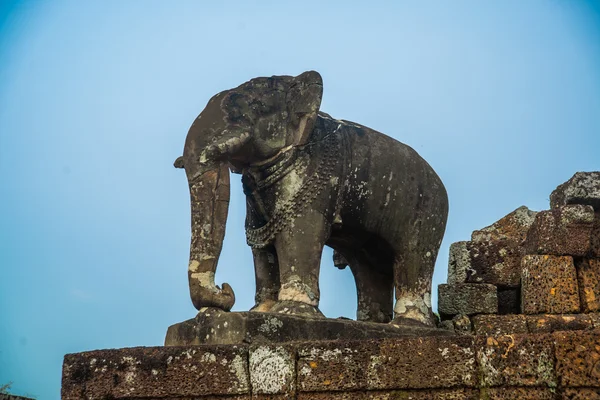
[[311, 180]]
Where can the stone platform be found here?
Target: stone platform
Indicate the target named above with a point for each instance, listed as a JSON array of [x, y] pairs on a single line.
[[559, 365], [214, 326]]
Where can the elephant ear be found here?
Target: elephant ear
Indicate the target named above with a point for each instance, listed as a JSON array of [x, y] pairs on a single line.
[[303, 102]]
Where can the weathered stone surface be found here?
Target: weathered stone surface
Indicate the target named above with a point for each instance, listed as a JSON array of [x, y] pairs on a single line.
[[440, 394], [272, 369], [156, 372], [495, 261], [595, 251], [588, 278], [582, 188], [516, 360], [5, 396], [214, 326], [512, 226], [549, 285], [565, 230], [547, 323], [578, 358], [467, 298], [418, 363], [459, 262], [581, 394], [496, 325], [494, 253], [509, 299], [520, 393], [595, 318], [462, 324]]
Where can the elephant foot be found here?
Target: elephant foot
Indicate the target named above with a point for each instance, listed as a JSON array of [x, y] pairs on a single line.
[[263, 306], [296, 308]]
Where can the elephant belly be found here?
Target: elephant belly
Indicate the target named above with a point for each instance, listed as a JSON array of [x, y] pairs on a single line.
[[389, 187]]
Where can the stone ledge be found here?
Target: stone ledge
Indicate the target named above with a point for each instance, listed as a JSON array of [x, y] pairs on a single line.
[[214, 326], [446, 367]]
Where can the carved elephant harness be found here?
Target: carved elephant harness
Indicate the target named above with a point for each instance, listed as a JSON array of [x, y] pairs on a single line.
[[323, 152]]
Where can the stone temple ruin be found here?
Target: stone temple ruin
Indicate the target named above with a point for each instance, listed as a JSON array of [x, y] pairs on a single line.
[[520, 306], [518, 319]]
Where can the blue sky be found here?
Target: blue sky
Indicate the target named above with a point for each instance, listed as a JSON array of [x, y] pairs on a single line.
[[96, 97]]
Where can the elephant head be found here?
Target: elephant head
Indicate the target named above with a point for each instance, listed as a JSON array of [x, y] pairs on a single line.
[[238, 128]]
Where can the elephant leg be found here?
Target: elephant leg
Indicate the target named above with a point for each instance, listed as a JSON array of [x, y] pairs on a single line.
[[413, 271], [299, 251], [375, 291], [266, 268]]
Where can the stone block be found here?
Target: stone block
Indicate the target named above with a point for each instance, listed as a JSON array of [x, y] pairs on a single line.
[[146, 372], [458, 263], [578, 358], [213, 327], [272, 369], [416, 363], [509, 299], [581, 394], [582, 188], [588, 278], [520, 393], [494, 253], [547, 323], [595, 251], [516, 360], [595, 318], [513, 226], [467, 298], [565, 230], [496, 262], [440, 394], [549, 285], [462, 325], [496, 325]]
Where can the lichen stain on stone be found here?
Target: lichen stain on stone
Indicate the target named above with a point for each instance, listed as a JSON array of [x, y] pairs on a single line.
[[209, 358], [238, 368], [271, 325], [271, 370]]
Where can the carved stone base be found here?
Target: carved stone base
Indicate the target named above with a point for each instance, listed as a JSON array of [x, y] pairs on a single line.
[[214, 326]]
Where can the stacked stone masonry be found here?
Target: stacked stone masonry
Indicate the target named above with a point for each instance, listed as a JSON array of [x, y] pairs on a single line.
[[559, 365], [522, 299], [529, 272]]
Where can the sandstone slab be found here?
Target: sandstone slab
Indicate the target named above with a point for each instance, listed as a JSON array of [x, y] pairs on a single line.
[[213, 326], [494, 253], [156, 372], [467, 298], [549, 285], [418, 363], [566, 230]]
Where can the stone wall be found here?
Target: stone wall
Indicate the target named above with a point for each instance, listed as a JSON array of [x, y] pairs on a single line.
[[522, 299], [560, 365], [530, 272]]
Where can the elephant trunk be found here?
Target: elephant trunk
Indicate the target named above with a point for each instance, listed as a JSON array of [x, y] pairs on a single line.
[[209, 195]]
